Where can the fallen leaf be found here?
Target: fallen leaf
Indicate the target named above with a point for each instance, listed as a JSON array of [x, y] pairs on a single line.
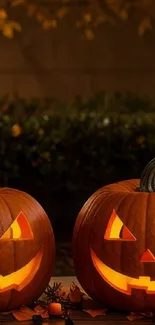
[[39, 310], [75, 294], [24, 313], [94, 313], [134, 316], [148, 314]]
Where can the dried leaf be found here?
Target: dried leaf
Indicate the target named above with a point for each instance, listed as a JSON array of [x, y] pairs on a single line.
[[23, 313], [148, 314], [134, 316], [94, 313], [75, 294], [39, 310]]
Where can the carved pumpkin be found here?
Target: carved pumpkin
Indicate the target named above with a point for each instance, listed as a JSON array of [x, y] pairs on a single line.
[[114, 244], [27, 249]]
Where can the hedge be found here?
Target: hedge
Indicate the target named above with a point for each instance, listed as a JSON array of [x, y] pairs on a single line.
[[55, 150]]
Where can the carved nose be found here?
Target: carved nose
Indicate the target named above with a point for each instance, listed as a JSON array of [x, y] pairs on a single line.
[[147, 256]]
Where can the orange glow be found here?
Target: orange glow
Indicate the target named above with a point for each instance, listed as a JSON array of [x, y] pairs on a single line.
[[121, 282], [116, 230], [21, 278], [19, 230]]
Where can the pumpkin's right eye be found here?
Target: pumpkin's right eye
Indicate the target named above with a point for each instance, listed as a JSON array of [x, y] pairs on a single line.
[[116, 230]]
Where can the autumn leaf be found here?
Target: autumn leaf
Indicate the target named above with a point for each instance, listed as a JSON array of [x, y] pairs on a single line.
[[39, 310], [135, 316], [23, 313], [94, 313], [75, 294]]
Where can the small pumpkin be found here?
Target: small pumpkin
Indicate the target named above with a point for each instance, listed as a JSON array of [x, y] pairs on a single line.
[[114, 244], [27, 249]]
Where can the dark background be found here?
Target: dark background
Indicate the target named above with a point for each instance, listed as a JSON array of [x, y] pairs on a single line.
[[61, 154]]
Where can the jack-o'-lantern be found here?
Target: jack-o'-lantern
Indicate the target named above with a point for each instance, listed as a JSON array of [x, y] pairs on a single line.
[[114, 244], [27, 249]]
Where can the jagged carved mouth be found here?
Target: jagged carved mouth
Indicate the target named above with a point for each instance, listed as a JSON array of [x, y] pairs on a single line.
[[22, 277], [119, 281]]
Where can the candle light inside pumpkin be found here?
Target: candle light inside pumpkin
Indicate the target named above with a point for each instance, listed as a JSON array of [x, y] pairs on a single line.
[[55, 309]]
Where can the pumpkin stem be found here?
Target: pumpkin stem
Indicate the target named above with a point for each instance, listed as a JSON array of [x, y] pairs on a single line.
[[147, 180]]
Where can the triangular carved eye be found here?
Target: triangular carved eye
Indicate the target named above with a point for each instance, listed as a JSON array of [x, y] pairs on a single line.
[[20, 229], [116, 230]]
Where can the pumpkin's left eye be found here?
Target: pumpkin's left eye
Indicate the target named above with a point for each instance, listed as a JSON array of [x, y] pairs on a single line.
[[19, 229], [116, 230]]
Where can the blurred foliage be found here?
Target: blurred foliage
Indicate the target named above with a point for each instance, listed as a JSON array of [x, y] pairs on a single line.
[[61, 153], [90, 14], [77, 146]]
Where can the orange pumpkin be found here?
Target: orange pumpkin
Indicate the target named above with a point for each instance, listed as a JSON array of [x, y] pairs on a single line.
[[27, 249], [114, 244]]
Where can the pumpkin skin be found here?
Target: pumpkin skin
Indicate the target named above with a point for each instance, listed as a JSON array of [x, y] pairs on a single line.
[[27, 249], [96, 255]]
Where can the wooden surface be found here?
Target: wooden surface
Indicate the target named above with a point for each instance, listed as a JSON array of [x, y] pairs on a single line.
[[82, 318]]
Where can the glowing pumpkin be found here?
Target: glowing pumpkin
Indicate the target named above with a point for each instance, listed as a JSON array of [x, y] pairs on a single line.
[[27, 249], [114, 244]]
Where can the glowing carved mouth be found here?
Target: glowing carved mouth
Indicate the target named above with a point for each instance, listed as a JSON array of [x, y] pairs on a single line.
[[21, 278], [121, 282]]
